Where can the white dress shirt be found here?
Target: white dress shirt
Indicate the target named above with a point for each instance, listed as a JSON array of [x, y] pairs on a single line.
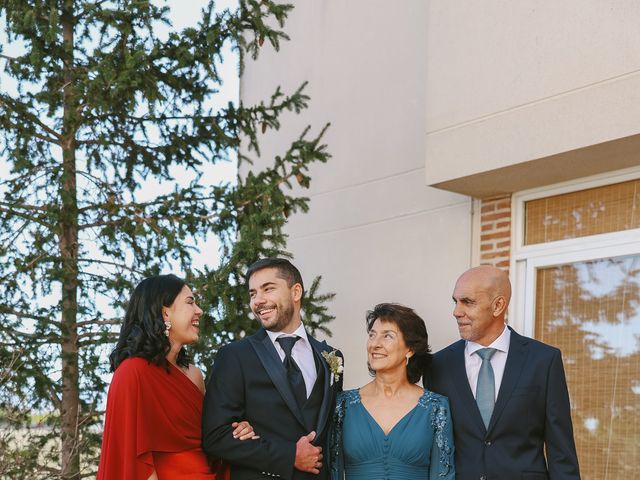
[[301, 353], [472, 361]]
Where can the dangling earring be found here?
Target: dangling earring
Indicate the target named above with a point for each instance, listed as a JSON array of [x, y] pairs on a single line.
[[408, 357], [167, 327]]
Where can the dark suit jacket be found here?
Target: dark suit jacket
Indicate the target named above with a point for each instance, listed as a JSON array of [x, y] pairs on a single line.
[[249, 382], [531, 412]]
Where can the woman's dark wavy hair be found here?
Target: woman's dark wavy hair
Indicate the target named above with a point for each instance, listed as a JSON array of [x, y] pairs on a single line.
[[143, 330], [413, 331]]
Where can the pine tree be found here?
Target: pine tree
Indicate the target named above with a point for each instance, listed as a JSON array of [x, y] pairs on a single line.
[[104, 107]]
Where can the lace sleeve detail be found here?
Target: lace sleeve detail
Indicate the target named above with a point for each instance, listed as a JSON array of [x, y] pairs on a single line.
[[442, 452], [443, 437], [336, 457]]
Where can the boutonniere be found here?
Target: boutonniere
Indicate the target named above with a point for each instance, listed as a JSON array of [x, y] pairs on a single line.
[[335, 365]]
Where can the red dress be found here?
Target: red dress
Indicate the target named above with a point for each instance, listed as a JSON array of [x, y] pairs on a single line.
[[153, 422]]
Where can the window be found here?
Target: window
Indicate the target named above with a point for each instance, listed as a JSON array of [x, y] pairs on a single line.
[[608, 208], [577, 268]]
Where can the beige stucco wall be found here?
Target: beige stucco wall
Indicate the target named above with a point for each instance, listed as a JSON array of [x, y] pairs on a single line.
[[375, 231], [509, 83]]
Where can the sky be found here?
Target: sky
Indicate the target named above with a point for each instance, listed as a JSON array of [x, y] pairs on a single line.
[[183, 13]]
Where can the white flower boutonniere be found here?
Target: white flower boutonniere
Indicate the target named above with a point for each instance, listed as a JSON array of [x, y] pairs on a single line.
[[335, 365]]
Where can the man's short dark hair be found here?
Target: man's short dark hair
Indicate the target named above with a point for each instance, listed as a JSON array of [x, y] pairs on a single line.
[[286, 270]]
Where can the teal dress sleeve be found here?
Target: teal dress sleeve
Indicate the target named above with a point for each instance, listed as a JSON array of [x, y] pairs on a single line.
[[336, 454], [442, 449]]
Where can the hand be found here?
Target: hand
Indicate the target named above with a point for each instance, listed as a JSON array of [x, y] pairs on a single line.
[[243, 431], [308, 456]]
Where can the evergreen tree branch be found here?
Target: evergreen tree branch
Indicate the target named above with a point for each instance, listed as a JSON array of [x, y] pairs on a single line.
[[23, 112], [132, 107], [14, 235], [32, 175], [162, 200], [43, 378], [4, 309], [85, 339], [112, 264], [25, 206], [33, 338], [24, 216], [86, 323]]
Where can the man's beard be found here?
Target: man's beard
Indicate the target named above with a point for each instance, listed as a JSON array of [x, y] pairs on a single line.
[[283, 318]]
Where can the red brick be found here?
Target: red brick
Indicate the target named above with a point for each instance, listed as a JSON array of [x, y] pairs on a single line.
[[496, 230], [501, 254], [495, 216], [504, 204], [492, 236], [487, 207]]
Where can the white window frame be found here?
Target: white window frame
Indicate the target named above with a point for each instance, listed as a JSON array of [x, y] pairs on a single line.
[[526, 259]]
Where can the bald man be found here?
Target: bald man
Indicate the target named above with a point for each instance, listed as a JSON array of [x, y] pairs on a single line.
[[508, 393]]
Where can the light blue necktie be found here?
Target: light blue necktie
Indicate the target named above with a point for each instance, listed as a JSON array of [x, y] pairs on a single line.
[[486, 388]]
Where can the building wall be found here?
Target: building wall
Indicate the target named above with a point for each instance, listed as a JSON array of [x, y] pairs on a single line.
[[479, 99], [535, 92], [375, 231], [495, 103]]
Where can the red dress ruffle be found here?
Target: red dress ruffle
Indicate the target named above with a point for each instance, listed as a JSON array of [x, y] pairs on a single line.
[[153, 422]]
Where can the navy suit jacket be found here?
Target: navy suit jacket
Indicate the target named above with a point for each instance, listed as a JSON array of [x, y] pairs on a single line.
[[249, 382], [531, 413]]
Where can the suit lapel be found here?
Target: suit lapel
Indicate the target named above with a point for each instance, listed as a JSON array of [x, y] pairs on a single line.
[[271, 362], [318, 348], [461, 381], [516, 359]]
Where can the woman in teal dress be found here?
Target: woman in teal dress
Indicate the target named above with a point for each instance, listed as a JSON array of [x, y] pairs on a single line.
[[392, 429]]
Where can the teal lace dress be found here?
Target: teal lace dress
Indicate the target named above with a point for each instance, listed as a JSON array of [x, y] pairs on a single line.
[[420, 445]]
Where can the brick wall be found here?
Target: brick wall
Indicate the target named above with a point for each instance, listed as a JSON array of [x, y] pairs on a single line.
[[495, 232]]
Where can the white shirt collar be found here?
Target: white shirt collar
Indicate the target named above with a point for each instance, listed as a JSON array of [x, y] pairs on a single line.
[[299, 332], [501, 343]]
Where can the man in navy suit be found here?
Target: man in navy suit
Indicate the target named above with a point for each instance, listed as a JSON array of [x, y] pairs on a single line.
[[278, 380], [508, 393]]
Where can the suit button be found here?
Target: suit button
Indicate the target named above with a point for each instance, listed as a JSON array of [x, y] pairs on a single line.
[[488, 443], [483, 477]]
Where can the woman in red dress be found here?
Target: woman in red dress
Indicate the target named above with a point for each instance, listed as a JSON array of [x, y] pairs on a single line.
[[153, 420]]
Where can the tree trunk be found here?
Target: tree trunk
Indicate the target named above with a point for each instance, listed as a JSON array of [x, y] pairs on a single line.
[[68, 241]]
